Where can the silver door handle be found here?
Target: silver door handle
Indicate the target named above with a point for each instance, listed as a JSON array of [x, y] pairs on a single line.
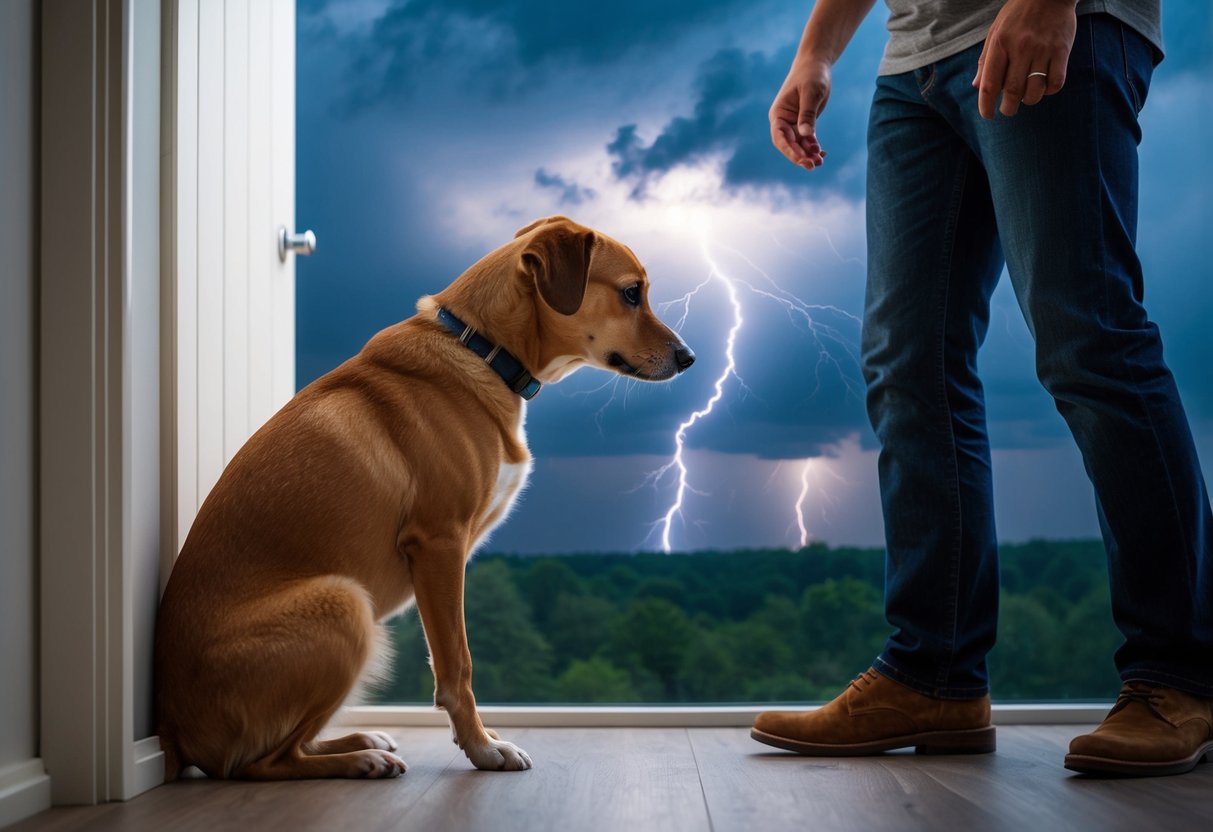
[[304, 243]]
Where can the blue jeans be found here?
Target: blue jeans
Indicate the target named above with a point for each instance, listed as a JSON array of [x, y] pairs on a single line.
[[1054, 191]]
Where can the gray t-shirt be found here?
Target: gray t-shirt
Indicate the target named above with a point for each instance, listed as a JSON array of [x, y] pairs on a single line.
[[924, 31]]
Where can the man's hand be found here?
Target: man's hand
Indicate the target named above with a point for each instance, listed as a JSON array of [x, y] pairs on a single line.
[[1025, 54], [794, 113]]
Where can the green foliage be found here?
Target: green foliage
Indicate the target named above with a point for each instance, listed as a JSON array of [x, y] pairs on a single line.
[[513, 661], [748, 626], [595, 680], [652, 635]]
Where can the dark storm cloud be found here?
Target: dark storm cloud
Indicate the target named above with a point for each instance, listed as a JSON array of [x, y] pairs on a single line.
[[541, 29], [570, 192], [732, 94], [501, 45]]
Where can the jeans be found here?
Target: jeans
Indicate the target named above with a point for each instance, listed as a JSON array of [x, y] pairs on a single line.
[[1052, 190]]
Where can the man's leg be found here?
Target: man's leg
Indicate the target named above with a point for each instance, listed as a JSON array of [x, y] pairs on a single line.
[[933, 260], [1063, 176], [1064, 180]]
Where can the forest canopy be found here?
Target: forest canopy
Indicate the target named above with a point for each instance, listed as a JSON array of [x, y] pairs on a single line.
[[750, 626]]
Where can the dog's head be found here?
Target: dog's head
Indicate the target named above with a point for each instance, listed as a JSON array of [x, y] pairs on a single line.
[[591, 297]]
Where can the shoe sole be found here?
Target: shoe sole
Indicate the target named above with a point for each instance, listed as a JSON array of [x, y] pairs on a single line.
[[1085, 764], [969, 741]]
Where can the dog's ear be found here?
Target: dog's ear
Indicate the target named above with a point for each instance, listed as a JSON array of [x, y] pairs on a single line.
[[558, 260], [541, 221]]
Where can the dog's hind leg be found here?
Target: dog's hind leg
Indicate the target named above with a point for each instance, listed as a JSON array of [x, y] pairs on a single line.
[[293, 658], [295, 763], [437, 567], [357, 741]]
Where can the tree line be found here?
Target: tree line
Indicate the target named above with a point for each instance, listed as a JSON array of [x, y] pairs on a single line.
[[759, 625]]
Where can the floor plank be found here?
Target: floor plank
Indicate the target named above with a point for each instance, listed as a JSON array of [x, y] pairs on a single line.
[[1023, 786], [752, 786], [196, 804], [670, 780], [600, 778]]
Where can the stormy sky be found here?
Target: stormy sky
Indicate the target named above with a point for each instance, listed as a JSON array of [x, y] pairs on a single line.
[[429, 131]]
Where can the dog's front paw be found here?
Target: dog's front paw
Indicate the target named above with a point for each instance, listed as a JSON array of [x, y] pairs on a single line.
[[375, 764], [380, 740], [499, 755]]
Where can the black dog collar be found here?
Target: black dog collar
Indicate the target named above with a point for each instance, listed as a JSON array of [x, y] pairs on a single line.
[[501, 360]]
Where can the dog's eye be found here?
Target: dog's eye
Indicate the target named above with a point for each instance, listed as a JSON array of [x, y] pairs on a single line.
[[631, 295]]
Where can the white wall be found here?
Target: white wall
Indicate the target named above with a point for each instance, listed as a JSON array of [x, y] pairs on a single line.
[[23, 786], [18, 243]]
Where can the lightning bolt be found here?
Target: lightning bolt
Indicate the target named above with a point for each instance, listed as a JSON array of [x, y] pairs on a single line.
[[825, 336], [677, 462], [810, 479], [804, 493]]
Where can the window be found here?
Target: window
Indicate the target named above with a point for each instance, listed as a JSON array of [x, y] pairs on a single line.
[[429, 133]]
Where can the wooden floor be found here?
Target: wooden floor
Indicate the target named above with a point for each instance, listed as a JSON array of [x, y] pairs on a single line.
[[679, 779]]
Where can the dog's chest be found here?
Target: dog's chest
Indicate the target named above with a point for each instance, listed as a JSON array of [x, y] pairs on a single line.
[[511, 478]]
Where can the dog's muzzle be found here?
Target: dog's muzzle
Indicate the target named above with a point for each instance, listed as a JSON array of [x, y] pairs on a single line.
[[683, 358]]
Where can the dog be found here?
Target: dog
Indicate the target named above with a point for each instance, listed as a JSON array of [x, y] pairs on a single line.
[[369, 491]]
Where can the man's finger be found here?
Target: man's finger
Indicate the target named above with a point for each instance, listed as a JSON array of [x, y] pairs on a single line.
[[803, 152], [812, 99], [784, 139], [806, 124], [1014, 86], [1035, 86], [989, 85], [1057, 71]]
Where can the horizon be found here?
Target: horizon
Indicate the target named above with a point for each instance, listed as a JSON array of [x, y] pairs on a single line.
[[823, 545]]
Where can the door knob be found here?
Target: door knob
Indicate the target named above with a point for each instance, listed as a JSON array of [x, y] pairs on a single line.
[[304, 243]]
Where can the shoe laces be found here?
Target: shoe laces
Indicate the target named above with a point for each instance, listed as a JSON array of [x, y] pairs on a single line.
[[1141, 693], [863, 680]]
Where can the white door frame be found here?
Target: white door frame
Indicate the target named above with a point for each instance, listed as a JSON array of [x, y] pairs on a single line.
[[99, 395], [132, 246]]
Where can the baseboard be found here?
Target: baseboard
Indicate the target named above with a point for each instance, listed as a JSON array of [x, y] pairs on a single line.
[[25, 789], [147, 767]]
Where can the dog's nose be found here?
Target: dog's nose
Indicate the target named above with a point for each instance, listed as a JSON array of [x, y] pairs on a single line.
[[684, 357]]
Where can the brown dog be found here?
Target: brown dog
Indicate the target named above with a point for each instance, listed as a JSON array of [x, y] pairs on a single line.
[[370, 489]]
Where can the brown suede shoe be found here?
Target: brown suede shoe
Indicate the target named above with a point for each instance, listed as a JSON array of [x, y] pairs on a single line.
[[1150, 730], [876, 714]]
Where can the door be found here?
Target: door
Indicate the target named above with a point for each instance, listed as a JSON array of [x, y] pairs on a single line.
[[229, 189]]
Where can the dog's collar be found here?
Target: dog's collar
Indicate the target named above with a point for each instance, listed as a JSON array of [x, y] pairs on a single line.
[[499, 359]]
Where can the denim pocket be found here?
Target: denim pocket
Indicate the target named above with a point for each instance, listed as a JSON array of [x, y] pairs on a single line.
[[924, 77], [1138, 57]]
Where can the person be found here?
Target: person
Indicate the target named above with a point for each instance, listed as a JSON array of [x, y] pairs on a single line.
[[1009, 131]]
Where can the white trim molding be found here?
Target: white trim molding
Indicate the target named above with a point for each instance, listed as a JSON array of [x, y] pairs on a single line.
[[99, 413], [146, 766], [669, 716], [25, 790]]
